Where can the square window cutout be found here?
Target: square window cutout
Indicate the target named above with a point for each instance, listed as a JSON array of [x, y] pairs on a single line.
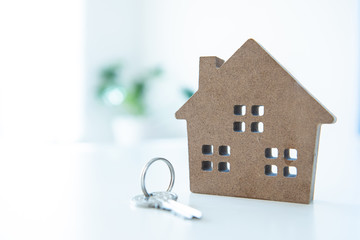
[[290, 154], [224, 150], [224, 167], [271, 170], [207, 149], [240, 110], [257, 127], [206, 166], [257, 110], [239, 127], [290, 172], [271, 153]]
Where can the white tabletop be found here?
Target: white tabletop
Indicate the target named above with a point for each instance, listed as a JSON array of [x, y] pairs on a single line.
[[83, 191]]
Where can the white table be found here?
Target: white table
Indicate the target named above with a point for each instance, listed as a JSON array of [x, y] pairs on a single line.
[[83, 191]]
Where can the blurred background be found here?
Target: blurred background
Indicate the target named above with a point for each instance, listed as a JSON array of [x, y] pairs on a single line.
[[115, 71]]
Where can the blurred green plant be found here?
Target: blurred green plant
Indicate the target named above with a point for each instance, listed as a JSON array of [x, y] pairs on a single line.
[[127, 98], [187, 92]]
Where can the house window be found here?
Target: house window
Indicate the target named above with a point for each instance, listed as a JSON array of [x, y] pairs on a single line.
[[257, 127], [240, 110], [290, 154], [271, 170], [207, 149], [290, 172], [206, 166], [271, 153], [239, 127], [257, 110], [224, 167], [224, 150]]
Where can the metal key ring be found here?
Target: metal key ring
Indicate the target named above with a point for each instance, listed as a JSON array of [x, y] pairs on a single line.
[[145, 169]]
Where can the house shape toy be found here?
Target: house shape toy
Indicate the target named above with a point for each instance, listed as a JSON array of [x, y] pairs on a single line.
[[253, 130]]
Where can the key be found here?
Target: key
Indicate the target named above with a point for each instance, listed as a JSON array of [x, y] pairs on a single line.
[[166, 201], [163, 200]]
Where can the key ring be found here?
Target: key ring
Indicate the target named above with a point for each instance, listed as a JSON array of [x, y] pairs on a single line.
[[145, 169]]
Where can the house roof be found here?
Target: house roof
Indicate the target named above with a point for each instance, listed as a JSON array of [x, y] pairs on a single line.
[[249, 60]]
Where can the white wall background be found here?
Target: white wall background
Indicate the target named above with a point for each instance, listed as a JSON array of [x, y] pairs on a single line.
[[41, 70]]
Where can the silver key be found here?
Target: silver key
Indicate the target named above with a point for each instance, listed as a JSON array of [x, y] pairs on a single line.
[[163, 200], [166, 201]]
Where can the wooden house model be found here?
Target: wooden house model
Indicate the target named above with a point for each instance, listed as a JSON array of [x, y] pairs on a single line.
[[253, 130]]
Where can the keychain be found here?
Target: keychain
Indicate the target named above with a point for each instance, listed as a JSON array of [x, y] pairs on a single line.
[[165, 200]]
